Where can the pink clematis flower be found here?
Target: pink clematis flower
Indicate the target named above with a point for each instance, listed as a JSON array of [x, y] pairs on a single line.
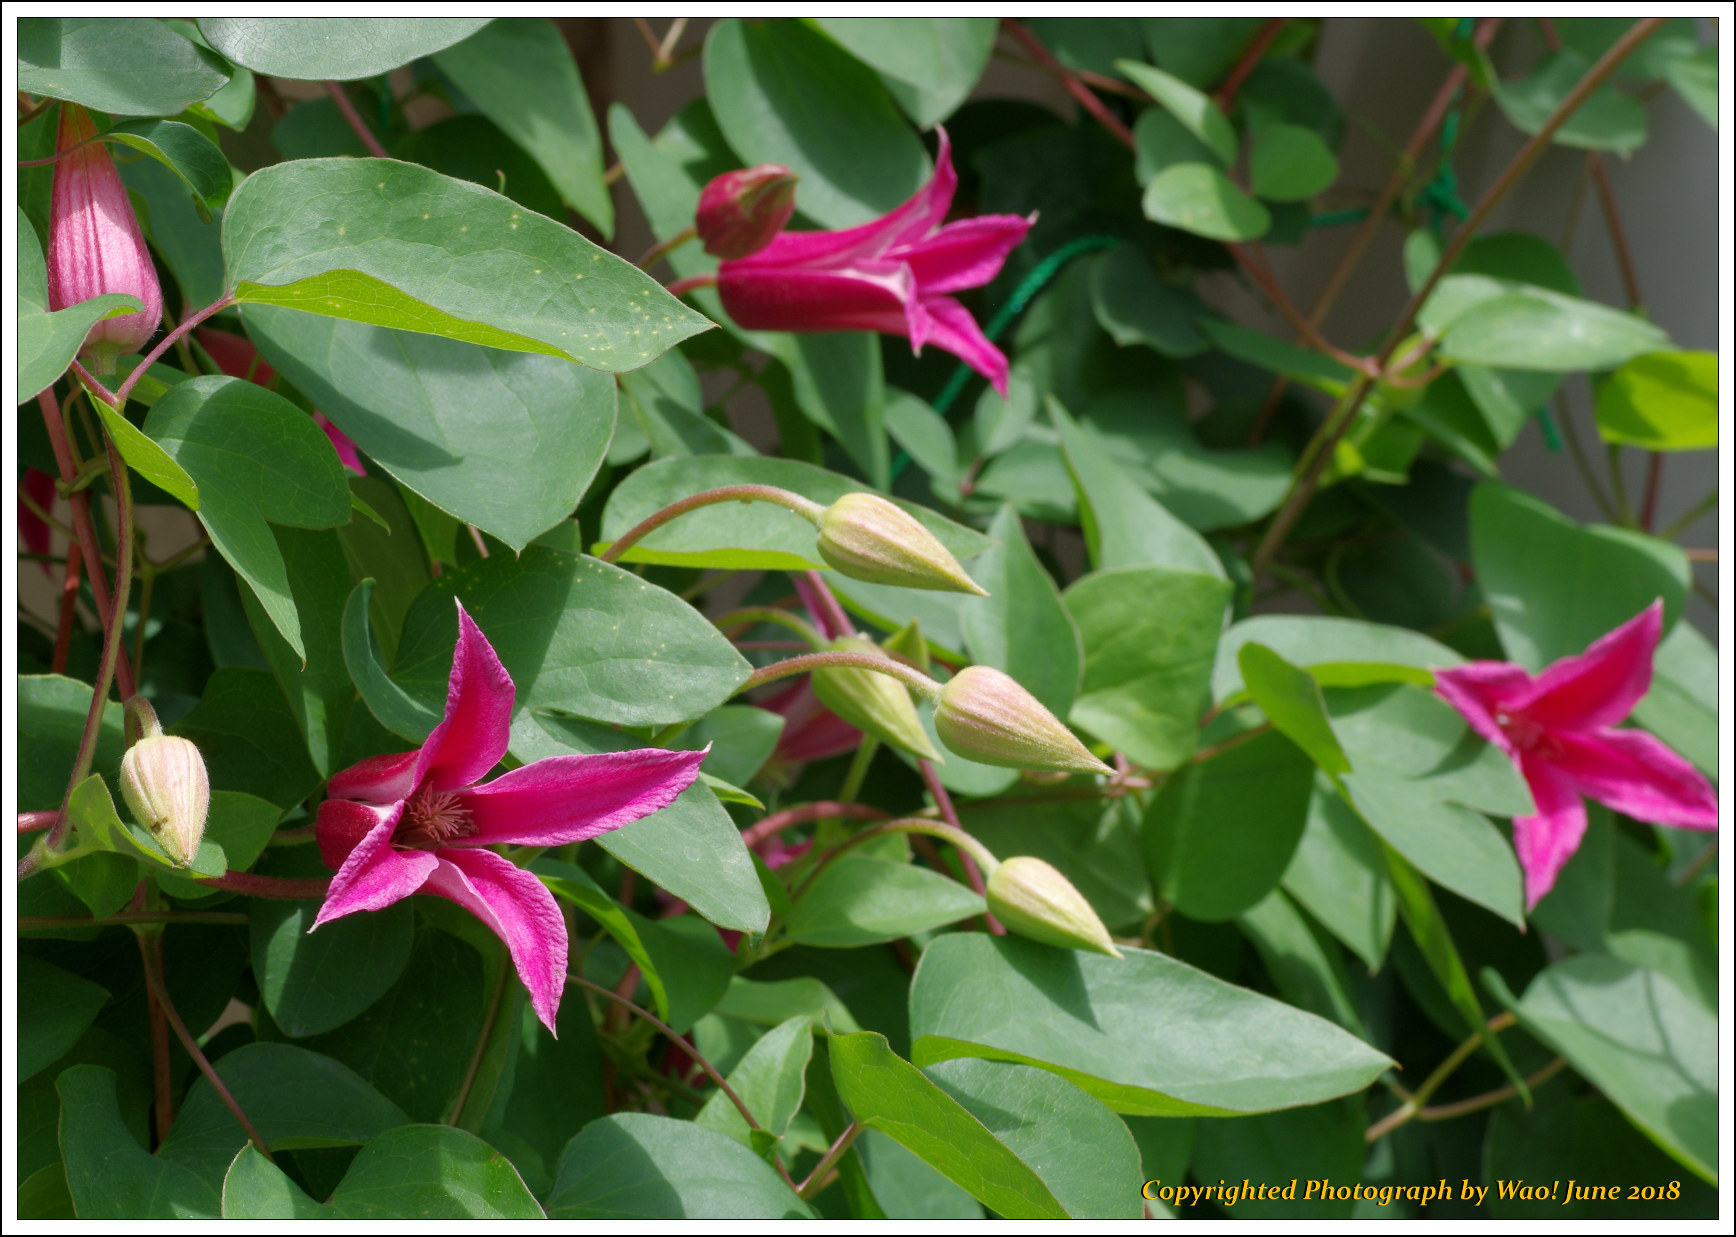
[[892, 275], [418, 822], [1558, 728]]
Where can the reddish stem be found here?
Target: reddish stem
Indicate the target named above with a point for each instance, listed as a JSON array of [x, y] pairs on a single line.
[[35, 822], [1249, 61], [949, 814], [281, 887], [823, 603], [342, 99], [68, 605], [119, 399], [162, 1080], [683, 286], [1078, 89], [777, 822], [1654, 483]]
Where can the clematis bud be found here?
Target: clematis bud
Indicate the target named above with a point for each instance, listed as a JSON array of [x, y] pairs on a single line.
[[164, 783], [94, 244], [984, 714], [1034, 900], [741, 212], [868, 538], [874, 703]]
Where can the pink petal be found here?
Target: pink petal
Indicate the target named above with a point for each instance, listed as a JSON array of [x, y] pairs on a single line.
[[868, 297], [966, 254], [564, 799], [811, 730], [519, 910], [1600, 686], [950, 326], [342, 444], [33, 531], [377, 779], [818, 610], [472, 738], [1546, 841], [1481, 688], [1634, 773], [342, 824], [376, 874]]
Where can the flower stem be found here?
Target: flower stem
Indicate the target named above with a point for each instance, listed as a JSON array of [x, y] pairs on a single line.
[[1446, 1112], [119, 399], [804, 507], [284, 888], [908, 675], [662, 248], [1080, 92], [1414, 1105], [778, 618], [966, 844], [1250, 58], [801, 814], [502, 968], [354, 118], [817, 1180], [967, 855], [151, 945], [682, 286]]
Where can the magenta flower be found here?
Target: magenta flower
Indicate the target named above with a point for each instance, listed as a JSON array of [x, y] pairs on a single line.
[[892, 275], [418, 822], [1559, 729]]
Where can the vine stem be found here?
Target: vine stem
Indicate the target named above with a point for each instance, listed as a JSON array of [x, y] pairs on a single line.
[[280, 887], [804, 507], [1250, 60], [119, 399], [45, 923], [1418, 1099], [777, 822], [817, 1180], [501, 969], [1446, 1112], [1695, 512], [151, 949], [683, 286], [689, 1049], [967, 859], [663, 248], [968, 846], [908, 675], [749, 615], [1336, 426], [355, 121], [1081, 93]]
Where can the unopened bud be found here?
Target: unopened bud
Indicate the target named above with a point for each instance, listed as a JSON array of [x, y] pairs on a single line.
[[876, 704], [868, 538], [95, 246], [1031, 898], [742, 212], [164, 782], [983, 714]]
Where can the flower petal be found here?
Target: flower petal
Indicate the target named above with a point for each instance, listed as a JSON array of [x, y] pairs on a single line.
[[564, 799], [519, 910], [377, 779], [376, 874], [1546, 841], [1600, 686], [1634, 773], [1480, 688], [966, 254], [473, 737], [950, 326], [342, 824], [868, 297], [342, 443]]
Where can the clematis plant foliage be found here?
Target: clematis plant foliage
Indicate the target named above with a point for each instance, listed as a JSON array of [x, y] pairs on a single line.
[[828, 644]]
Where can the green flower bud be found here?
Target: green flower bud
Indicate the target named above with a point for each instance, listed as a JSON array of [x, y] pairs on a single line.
[[164, 782], [868, 538], [984, 714], [874, 703], [1034, 900]]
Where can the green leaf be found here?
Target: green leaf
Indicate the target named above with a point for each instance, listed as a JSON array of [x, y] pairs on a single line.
[[415, 404], [1021, 627], [1320, 1143], [577, 635], [295, 1099], [1682, 706], [314, 980], [434, 1172], [397, 245], [837, 383], [52, 711], [191, 246], [691, 848], [1290, 164], [927, 64], [185, 151], [638, 1166], [1308, 970], [1337, 652], [256, 458], [901, 1184], [1199, 50], [1195, 110], [58, 1009], [95, 824], [1664, 401], [1636, 1037], [888, 1094], [393, 707], [741, 737], [1540, 330], [769, 1081], [1695, 78], [249, 738], [1608, 120], [128, 68], [1198, 198], [1080, 1149], [785, 93], [1124, 526], [695, 964], [862, 900], [1291, 360], [256, 1189], [1291, 699], [1338, 874], [771, 1002], [576, 886], [1092, 842], [242, 825], [111, 1177], [1161, 140], [744, 536], [146, 458], [1147, 1034], [521, 75], [313, 49], [1148, 636], [1555, 586], [1220, 833], [1136, 307]]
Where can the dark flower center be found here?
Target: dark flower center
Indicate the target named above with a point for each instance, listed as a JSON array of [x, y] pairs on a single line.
[[1526, 734], [433, 818]]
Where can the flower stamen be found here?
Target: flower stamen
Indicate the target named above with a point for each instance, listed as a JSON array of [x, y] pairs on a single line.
[[433, 818]]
